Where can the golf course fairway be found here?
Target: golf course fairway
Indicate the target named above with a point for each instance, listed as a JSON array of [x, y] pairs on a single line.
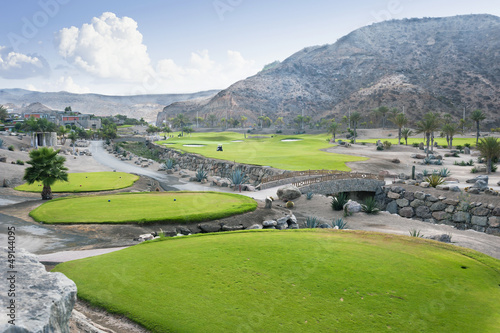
[[294, 281], [86, 182], [181, 207]]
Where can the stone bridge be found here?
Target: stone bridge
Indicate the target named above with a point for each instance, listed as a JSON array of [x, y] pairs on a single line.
[[345, 182]]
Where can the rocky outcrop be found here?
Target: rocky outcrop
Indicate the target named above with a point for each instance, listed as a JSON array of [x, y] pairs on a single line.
[[288, 192], [36, 300]]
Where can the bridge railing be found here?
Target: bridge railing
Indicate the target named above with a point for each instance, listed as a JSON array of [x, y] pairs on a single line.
[[337, 176], [304, 173]]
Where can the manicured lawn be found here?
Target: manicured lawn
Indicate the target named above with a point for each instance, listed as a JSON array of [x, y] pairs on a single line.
[[270, 151], [86, 182], [295, 281], [125, 126], [144, 208], [440, 141]]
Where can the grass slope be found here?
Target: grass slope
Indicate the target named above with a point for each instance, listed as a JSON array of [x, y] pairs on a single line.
[[144, 207], [86, 182], [266, 150], [295, 281]]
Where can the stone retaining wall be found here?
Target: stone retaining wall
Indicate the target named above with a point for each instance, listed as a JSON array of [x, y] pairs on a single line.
[[215, 167], [345, 185], [462, 214]]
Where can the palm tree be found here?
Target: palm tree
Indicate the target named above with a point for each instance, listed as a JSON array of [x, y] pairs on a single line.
[[382, 111], [355, 118], [489, 148], [450, 130], [46, 167], [62, 131], [400, 121], [428, 125], [4, 114], [477, 116], [180, 121], [73, 137], [333, 128], [243, 119], [279, 122], [406, 132], [212, 119]]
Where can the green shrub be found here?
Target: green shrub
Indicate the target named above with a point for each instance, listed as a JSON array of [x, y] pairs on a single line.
[[169, 164], [444, 172], [20, 162], [467, 145], [494, 168], [370, 206], [201, 175], [459, 147], [387, 144], [238, 177], [339, 200], [339, 223], [474, 170], [434, 180], [311, 222], [11, 148], [415, 145], [380, 148], [415, 233]]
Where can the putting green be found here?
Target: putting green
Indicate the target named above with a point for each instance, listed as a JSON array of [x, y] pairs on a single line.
[[180, 207], [86, 182], [295, 281], [298, 152]]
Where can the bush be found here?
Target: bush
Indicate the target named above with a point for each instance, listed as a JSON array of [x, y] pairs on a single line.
[[387, 144], [169, 164], [290, 204], [201, 175], [309, 195], [19, 162], [434, 180], [494, 168], [380, 148], [474, 170], [459, 147], [467, 145], [415, 145], [339, 223], [363, 143], [311, 221], [339, 200], [444, 172], [11, 148], [415, 233], [370, 206]]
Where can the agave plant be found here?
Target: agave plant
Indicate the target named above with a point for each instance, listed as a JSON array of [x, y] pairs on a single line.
[[169, 164], [425, 172], [434, 180], [415, 233], [339, 223], [311, 222], [370, 206], [201, 175], [309, 195], [238, 177], [444, 172], [339, 201]]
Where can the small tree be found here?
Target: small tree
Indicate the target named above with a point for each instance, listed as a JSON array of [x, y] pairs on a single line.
[[400, 120], [489, 148], [477, 116], [406, 132], [333, 128], [46, 167], [355, 118]]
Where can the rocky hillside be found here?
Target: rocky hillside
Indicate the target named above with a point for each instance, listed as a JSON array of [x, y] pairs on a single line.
[[438, 64], [139, 106]]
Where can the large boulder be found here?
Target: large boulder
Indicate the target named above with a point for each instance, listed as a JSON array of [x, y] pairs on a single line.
[[481, 185], [352, 207], [43, 301], [288, 192]]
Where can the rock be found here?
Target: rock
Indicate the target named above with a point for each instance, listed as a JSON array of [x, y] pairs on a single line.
[[438, 206], [396, 161], [411, 182], [461, 217], [407, 212], [250, 188], [269, 203], [480, 220], [420, 156], [445, 238], [293, 226], [270, 223], [421, 146], [325, 226], [288, 192], [254, 227], [282, 226], [450, 209], [442, 187], [417, 203], [292, 219], [209, 227], [481, 185], [480, 211], [481, 177], [3, 159], [397, 189], [453, 202], [145, 237], [352, 207], [392, 195], [423, 212], [441, 215], [467, 150], [494, 221], [410, 196], [455, 189], [44, 301], [420, 195], [282, 220], [451, 180], [498, 183], [424, 184], [183, 230], [7, 183], [473, 191], [402, 202], [384, 173], [170, 171], [392, 207], [232, 227], [431, 198], [496, 211]]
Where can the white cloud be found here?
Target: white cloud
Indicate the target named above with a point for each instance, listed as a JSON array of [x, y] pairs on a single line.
[[63, 83], [108, 47], [15, 65]]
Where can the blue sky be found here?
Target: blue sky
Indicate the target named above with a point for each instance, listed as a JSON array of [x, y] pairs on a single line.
[[151, 46]]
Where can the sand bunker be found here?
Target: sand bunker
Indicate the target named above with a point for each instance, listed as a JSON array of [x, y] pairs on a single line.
[[291, 140], [194, 146]]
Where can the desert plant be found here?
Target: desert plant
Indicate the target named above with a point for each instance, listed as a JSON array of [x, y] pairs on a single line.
[[339, 200], [201, 175], [169, 164], [238, 177], [434, 180], [311, 221], [290, 204], [459, 147], [11, 148], [471, 162], [309, 195], [416, 233], [19, 162], [467, 145], [425, 172], [474, 170], [370, 206], [339, 223], [380, 148], [415, 144], [387, 144], [444, 172]]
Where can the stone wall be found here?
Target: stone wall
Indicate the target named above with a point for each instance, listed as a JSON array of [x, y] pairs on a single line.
[[462, 214], [345, 185], [215, 167]]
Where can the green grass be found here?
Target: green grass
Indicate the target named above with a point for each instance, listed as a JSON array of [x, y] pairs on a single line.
[[125, 126], [144, 208], [86, 182], [295, 281], [440, 141], [268, 151]]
